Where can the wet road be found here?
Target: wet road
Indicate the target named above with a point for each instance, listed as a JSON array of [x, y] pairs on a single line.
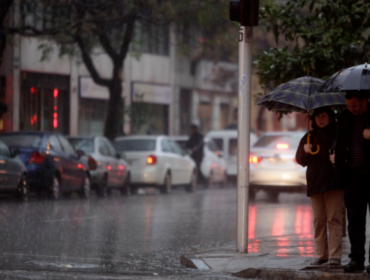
[[136, 237]]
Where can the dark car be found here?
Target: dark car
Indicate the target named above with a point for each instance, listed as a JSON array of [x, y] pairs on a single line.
[[52, 163], [13, 174]]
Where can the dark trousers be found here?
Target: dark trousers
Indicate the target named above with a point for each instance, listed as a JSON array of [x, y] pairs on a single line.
[[357, 199]]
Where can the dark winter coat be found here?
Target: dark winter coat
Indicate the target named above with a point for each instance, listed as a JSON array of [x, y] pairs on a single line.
[[195, 143], [320, 171], [343, 144]]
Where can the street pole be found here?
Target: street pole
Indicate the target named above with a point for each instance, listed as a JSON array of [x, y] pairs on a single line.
[[244, 120]]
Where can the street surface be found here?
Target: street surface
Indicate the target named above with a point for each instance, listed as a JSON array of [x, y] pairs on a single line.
[[136, 237]]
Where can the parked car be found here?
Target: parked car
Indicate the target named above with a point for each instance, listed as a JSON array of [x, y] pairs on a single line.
[[213, 166], [157, 161], [227, 140], [107, 169], [13, 174], [273, 167], [52, 163]]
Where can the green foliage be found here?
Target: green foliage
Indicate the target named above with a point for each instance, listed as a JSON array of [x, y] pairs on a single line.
[[319, 36]]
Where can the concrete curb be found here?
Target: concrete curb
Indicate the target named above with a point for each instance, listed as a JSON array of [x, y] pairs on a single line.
[[323, 273]]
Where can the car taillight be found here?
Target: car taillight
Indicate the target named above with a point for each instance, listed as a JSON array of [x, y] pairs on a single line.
[[37, 158], [254, 159], [282, 146], [92, 163], [151, 160]]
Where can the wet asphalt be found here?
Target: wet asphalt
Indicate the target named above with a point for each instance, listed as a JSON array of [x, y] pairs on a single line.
[[135, 237]]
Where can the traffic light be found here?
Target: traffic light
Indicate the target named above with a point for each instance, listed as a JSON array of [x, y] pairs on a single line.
[[244, 11]]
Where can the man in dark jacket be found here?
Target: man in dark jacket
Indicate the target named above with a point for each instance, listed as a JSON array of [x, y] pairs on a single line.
[[195, 144], [352, 160]]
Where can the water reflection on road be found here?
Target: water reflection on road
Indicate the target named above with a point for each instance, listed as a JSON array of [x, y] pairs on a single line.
[[148, 232]]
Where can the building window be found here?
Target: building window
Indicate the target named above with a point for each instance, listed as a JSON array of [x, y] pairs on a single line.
[[152, 39]]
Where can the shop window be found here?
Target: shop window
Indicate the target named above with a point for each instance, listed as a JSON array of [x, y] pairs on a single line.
[[92, 114], [44, 103]]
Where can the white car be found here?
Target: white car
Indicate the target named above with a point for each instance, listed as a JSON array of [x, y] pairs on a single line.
[[213, 165], [227, 140], [273, 167], [157, 161]]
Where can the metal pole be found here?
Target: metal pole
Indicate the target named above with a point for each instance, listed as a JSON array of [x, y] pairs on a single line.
[[244, 119]]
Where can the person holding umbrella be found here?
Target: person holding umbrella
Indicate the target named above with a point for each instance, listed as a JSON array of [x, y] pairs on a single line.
[[325, 194], [352, 160], [352, 155]]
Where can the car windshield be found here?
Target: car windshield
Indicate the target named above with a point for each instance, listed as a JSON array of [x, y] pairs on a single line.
[[83, 144], [135, 145], [282, 141], [22, 140]]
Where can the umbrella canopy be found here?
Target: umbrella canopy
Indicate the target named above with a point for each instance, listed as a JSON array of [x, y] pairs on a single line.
[[300, 95], [353, 78]]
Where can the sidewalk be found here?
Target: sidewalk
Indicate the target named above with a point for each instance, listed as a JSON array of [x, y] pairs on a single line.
[[273, 258]]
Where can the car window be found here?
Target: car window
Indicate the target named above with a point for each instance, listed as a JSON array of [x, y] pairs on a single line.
[[233, 146], [4, 150], [212, 146], [134, 145], [272, 141], [181, 143], [219, 142], [111, 149], [22, 140], [175, 148], [55, 144], [83, 144], [103, 148], [67, 147], [165, 145]]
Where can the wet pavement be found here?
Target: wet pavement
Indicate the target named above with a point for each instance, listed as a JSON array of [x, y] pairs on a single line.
[[137, 237]]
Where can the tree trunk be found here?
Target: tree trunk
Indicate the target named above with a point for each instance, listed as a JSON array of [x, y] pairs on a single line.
[[114, 120]]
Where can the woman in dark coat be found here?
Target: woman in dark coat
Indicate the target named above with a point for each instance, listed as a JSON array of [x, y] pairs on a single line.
[[326, 196]]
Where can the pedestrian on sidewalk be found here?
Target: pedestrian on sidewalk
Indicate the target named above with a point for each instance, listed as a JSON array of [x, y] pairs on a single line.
[[352, 161], [325, 194]]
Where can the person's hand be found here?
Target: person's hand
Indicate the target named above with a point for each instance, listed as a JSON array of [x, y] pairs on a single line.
[[332, 158], [366, 134], [307, 148]]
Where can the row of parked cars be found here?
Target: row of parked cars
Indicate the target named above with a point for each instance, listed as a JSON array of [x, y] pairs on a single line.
[[50, 163]]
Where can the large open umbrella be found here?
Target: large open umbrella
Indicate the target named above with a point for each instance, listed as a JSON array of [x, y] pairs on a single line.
[[353, 78], [300, 95]]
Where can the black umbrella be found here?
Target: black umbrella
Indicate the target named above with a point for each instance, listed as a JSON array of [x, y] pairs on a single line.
[[353, 78], [300, 95]]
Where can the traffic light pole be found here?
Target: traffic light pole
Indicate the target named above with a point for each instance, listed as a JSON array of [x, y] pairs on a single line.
[[244, 120]]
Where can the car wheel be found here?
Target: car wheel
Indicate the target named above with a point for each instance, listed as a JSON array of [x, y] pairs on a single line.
[[109, 191], [23, 189], [167, 184], [134, 189], [125, 190], [55, 189], [273, 195], [86, 187], [192, 186], [252, 194], [210, 181], [223, 183], [102, 189]]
